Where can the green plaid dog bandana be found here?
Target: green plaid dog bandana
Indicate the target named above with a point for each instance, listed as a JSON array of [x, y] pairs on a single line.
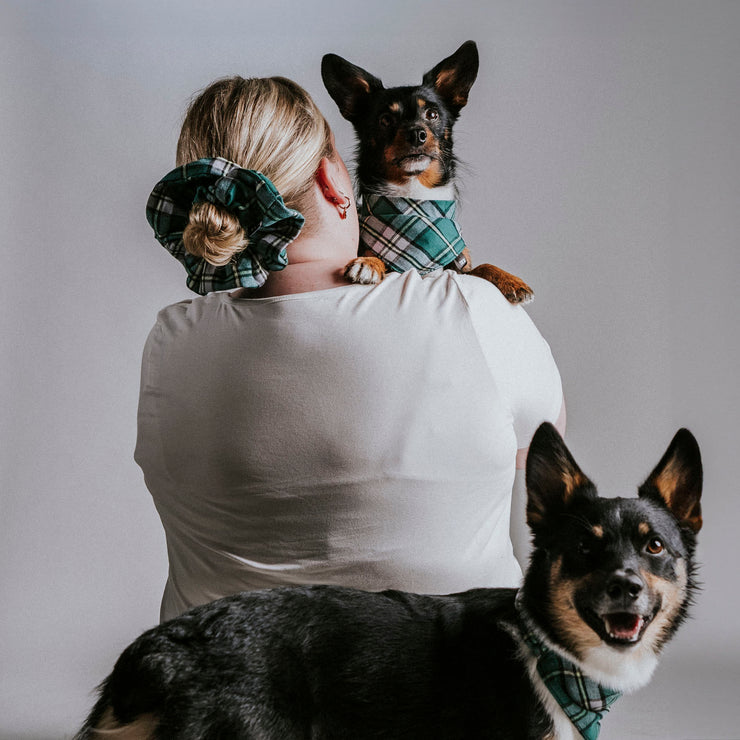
[[411, 234], [582, 699], [269, 225]]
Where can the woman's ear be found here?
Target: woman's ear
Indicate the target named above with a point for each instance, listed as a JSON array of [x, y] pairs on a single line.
[[328, 179], [333, 179]]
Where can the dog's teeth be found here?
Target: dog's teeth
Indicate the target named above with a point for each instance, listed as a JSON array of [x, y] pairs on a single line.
[[622, 627]]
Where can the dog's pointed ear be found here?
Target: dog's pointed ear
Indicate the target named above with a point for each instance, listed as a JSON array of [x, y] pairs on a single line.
[[676, 481], [350, 86], [553, 476], [453, 77]]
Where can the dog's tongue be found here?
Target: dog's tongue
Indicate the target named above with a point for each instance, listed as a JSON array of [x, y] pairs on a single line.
[[624, 626]]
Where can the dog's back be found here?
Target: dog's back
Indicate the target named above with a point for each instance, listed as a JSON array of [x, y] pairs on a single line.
[[326, 662]]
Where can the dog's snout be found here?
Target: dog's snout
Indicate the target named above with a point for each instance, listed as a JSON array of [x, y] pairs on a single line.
[[416, 136], [624, 586]]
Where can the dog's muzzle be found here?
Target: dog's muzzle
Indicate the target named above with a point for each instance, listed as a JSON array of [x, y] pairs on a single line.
[[624, 608]]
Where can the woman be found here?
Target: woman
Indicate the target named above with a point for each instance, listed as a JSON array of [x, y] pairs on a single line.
[[302, 429]]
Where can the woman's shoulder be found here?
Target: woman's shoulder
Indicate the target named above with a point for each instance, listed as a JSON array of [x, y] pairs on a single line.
[[496, 321], [177, 316], [480, 296], [435, 291]]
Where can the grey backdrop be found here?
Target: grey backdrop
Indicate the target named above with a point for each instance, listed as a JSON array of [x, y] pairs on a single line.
[[601, 143]]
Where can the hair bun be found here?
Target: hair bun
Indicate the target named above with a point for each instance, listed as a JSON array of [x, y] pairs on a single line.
[[213, 234]]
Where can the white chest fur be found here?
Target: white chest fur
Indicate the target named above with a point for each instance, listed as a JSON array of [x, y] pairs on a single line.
[[563, 728], [414, 189]]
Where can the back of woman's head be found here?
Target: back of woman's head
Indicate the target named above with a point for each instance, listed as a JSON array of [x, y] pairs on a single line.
[[266, 124]]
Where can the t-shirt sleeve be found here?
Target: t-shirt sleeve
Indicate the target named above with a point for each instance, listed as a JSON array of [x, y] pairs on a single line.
[[519, 358]]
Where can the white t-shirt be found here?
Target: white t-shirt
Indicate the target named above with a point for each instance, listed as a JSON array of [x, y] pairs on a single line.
[[362, 436]]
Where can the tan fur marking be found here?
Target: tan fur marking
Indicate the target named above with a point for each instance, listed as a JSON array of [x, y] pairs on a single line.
[[399, 149], [395, 107], [142, 728], [534, 516], [421, 102], [575, 634], [393, 173], [695, 523], [669, 480], [644, 529], [432, 175], [598, 530], [447, 79], [572, 481], [108, 722], [514, 289], [673, 596]]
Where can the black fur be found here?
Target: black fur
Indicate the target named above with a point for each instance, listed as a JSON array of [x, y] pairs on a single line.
[[325, 662], [382, 115], [565, 523], [405, 149], [337, 662]]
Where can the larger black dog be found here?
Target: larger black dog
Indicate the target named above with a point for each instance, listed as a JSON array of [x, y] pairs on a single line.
[[608, 584]]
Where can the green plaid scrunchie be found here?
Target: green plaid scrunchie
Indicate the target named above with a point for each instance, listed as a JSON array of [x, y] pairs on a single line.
[[250, 196]]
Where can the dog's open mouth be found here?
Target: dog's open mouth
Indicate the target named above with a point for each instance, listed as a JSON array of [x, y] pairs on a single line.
[[624, 628]]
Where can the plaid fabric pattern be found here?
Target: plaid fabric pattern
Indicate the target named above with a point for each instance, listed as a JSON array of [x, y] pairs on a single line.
[[410, 234], [582, 699], [269, 225]]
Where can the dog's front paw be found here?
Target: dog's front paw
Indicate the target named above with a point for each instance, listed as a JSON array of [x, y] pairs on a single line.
[[365, 270], [517, 291], [514, 289]]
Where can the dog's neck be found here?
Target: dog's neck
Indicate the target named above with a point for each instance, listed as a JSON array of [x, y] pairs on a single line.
[[410, 189], [574, 699], [583, 701], [408, 233]]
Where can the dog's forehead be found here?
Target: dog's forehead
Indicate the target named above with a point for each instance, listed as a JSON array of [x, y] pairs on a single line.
[[630, 518], [407, 99]]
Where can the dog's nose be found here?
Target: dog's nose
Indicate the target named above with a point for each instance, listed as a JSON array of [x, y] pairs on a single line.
[[416, 136], [624, 585]]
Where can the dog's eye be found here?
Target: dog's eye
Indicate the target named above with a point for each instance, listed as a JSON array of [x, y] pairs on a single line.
[[430, 114], [585, 547], [386, 120], [654, 546]]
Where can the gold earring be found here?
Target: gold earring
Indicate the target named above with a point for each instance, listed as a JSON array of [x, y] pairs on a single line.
[[343, 207]]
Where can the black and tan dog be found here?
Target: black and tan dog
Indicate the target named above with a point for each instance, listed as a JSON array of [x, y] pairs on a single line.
[[609, 582], [405, 161]]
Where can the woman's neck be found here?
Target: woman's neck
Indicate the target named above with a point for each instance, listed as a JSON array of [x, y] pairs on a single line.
[[300, 277], [317, 258]]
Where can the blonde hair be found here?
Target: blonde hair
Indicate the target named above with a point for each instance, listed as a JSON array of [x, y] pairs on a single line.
[[267, 124]]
